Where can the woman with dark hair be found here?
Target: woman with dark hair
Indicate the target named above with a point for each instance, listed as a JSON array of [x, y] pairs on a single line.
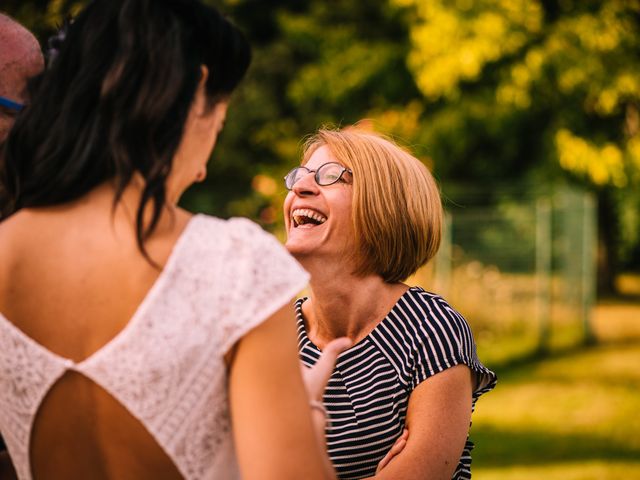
[[138, 340]]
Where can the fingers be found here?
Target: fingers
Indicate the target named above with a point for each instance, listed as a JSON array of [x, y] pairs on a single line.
[[395, 450], [317, 377], [327, 361], [337, 346]]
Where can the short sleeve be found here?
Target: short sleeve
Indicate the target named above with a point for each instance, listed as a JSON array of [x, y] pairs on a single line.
[[267, 278], [444, 339]]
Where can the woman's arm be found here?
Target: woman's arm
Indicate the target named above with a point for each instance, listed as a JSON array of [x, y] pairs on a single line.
[[272, 423], [438, 419]]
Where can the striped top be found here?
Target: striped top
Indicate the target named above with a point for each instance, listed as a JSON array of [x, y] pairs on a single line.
[[368, 393]]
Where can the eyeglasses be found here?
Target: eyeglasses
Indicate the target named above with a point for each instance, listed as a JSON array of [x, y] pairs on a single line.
[[326, 174], [10, 104]]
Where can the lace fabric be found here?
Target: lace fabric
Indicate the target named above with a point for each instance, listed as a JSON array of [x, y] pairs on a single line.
[[166, 366]]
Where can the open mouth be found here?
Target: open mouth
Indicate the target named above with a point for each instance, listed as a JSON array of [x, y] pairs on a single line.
[[305, 216]]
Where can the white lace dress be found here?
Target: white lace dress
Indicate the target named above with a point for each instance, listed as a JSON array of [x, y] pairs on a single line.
[[166, 366]]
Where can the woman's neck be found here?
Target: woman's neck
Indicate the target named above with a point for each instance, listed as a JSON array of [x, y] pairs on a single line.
[[126, 209], [346, 305]]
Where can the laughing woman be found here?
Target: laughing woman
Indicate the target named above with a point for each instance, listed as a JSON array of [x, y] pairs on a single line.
[[137, 340], [361, 216]]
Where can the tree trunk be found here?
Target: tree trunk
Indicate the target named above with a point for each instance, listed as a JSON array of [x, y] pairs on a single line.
[[607, 243]]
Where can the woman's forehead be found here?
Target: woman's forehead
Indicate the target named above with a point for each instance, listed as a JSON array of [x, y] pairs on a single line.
[[319, 157]]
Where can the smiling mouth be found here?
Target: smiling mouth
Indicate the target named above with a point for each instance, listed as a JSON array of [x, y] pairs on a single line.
[[305, 216]]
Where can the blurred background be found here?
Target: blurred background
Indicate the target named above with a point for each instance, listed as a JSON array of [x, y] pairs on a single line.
[[528, 114]]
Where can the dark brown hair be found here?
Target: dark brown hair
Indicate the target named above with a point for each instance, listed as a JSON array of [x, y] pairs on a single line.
[[115, 101]]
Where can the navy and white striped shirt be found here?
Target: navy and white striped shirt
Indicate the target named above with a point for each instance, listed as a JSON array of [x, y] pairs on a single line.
[[368, 393]]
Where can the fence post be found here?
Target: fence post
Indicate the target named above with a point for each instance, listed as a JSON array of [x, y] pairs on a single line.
[[589, 242], [543, 272]]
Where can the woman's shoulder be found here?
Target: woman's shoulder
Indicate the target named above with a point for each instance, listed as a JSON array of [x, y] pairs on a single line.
[[422, 306], [431, 322], [444, 338], [9, 242], [242, 240], [21, 235], [234, 226], [236, 233], [422, 319]]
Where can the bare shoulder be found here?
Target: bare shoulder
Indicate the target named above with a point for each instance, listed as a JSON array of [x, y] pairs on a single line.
[[16, 232], [36, 240], [25, 228], [15, 221]]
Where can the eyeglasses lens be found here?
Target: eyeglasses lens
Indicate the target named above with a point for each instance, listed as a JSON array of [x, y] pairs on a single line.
[[329, 173], [293, 176]]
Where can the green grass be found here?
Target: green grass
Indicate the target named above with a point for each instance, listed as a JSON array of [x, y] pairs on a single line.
[[588, 470], [575, 415], [572, 414]]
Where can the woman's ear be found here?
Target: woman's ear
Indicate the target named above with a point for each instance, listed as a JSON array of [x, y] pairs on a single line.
[[200, 100]]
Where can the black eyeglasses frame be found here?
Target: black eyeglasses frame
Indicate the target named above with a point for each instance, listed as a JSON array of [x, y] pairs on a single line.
[[289, 186]]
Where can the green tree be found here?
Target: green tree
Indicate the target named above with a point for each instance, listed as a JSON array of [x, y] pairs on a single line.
[[315, 63], [484, 91], [547, 86]]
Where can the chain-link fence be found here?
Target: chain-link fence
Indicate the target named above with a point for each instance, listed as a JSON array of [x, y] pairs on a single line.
[[519, 266]]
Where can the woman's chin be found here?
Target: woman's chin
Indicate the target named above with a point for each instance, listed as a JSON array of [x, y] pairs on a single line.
[[297, 249]]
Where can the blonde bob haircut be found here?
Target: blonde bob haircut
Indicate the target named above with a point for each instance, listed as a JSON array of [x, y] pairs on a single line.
[[397, 211]]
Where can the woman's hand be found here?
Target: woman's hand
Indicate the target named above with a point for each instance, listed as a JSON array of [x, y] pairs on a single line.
[[395, 450], [315, 381], [269, 399], [316, 378]]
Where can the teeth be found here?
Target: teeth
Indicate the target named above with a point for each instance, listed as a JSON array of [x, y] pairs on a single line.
[[301, 215]]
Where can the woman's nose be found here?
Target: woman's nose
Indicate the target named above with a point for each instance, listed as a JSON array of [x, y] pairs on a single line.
[[306, 185]]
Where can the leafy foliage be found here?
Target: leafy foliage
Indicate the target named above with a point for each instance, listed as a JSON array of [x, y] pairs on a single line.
[[575, 61], [484, 91]]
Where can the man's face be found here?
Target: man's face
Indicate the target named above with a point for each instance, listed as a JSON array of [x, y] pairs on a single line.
[[20, 59], [7, 117]]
